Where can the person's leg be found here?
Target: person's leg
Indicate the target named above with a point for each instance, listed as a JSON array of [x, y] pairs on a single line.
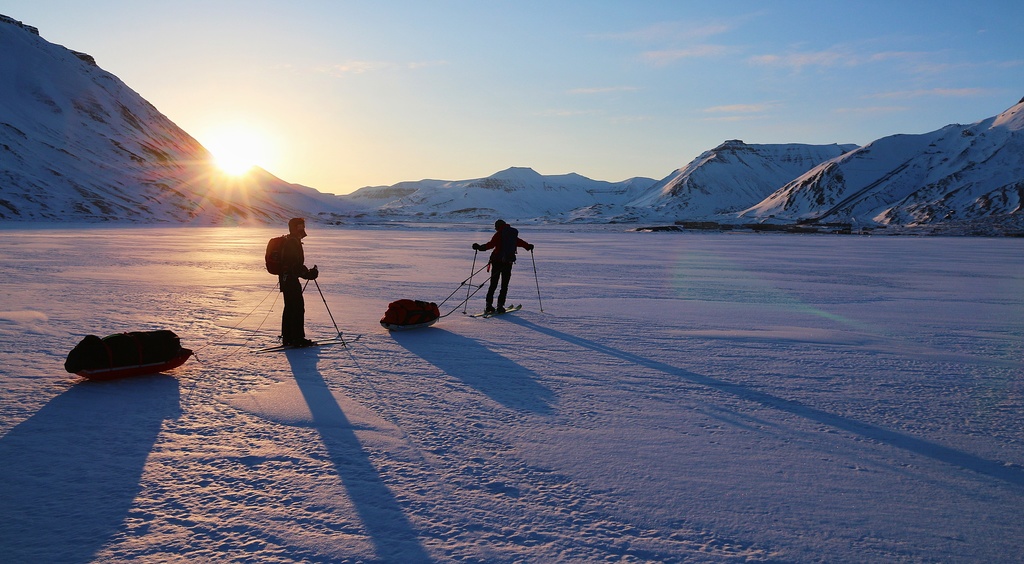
[[293, 318], [495, 279], [506, 275]]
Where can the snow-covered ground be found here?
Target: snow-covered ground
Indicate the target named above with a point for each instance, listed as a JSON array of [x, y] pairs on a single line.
[[681, 398]]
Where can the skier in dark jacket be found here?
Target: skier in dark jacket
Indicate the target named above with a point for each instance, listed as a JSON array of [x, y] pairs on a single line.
[[504, 242], [293, 333]]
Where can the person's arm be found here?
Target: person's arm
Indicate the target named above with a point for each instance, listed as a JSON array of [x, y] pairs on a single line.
[[490, 244]]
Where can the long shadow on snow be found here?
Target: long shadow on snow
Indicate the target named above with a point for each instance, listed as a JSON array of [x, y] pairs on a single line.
[[391, 533], [72, 470], [954, 457], [499, 378]]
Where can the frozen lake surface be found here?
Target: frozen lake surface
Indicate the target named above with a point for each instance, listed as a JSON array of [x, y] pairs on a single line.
[[681, 397]]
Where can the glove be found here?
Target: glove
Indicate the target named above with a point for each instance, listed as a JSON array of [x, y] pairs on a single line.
[[529, 247], [312, 273], [476, 247]]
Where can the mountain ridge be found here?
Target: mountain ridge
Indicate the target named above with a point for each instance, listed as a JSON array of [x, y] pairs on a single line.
[[958, 172], [733, 176], [77, 144]]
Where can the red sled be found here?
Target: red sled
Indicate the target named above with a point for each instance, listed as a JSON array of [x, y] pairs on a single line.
[[126, 354], [403, 315]]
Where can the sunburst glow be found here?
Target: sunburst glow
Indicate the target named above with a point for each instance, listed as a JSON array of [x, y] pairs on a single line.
[[237, 149]]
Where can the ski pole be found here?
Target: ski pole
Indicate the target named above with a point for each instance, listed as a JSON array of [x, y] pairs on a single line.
[[328, 307], [536, 280], [472, 271]]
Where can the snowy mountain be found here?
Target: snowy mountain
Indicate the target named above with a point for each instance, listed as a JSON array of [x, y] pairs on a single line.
[[514, 193], [957, 173], [77, 144], [965, 176], [731, 178], [717, 184]]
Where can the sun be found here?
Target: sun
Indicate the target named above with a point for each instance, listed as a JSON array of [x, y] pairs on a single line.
[[237, 149]]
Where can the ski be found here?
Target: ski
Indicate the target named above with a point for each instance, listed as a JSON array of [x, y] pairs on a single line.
[[327, 343], [509, 309]]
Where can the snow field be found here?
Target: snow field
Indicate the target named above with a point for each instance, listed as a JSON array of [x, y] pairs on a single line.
[[682, 397]]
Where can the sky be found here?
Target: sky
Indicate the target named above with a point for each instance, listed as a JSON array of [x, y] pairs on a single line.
[[337, 95]]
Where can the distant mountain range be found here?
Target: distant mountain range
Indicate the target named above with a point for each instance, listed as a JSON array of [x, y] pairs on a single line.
[[516, 193], [78, 145]]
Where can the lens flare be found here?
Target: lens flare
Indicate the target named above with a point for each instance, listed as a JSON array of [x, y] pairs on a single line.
[[237, 149]]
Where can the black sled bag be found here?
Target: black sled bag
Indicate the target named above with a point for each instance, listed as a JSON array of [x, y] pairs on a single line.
[[410, 313], [123, 349]]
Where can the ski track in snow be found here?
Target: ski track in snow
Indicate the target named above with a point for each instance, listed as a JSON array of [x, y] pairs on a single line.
[[681, 398]]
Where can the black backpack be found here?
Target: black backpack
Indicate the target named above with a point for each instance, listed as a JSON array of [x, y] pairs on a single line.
[[509, 239], [275, 248]]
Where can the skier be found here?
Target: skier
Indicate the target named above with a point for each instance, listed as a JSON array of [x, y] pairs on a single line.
[[504, 242], [293, 333]]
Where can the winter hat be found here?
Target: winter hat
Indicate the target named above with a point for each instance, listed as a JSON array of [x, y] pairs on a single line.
[[499, 223]]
